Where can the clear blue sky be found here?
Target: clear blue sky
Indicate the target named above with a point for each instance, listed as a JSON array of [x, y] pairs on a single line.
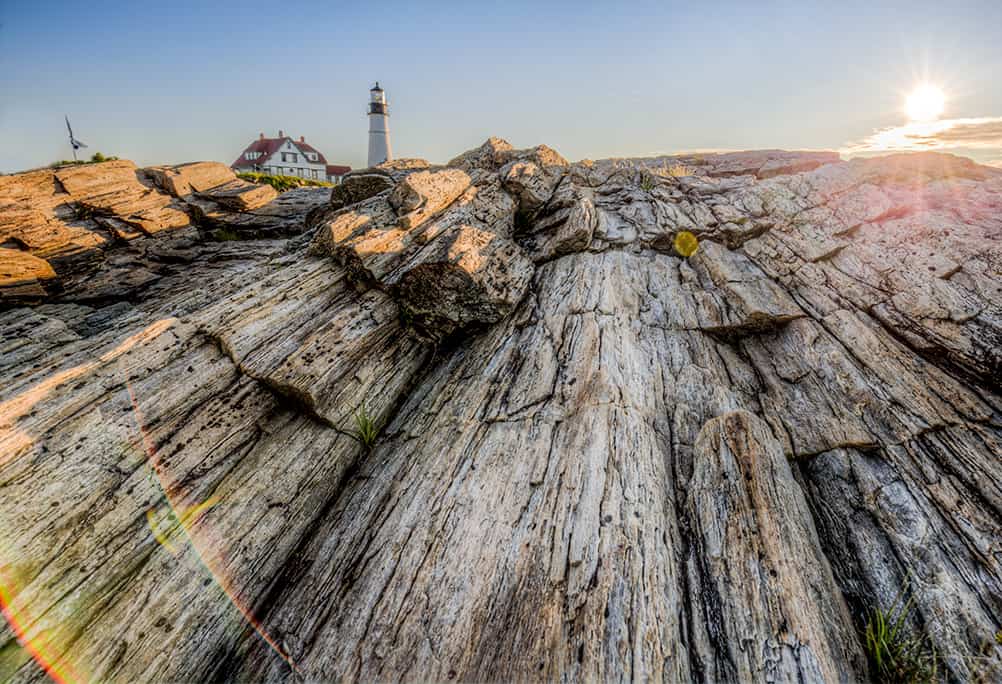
[[165, 82]]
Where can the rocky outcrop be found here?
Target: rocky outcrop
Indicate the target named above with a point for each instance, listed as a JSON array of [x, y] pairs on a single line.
[[448, 270], [596, 458], [86, 232]]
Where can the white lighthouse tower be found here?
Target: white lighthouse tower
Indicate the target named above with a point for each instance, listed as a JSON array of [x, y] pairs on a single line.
[[379, 127]]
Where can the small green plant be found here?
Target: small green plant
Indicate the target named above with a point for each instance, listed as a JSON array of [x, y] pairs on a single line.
[[646, 182], [282, 183], [366, 431], [95, 158], [986, 665], [82, 212], [406, 317], [226, 234], [896, 656]]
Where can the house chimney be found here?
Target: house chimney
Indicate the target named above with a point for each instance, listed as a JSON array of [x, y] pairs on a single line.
[[261, 136], [281, 133], [302, 138]]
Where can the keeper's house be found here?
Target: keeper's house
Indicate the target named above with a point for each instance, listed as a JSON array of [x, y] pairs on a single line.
[[283, 156]]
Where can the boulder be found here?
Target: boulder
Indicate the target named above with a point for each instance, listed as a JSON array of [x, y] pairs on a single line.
[[358, 186], [21, 275], [490, 156], [532, 175]]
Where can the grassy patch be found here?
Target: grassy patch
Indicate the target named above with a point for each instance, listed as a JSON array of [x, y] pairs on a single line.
[[225, 234], [986, 665], [283, 183], [895, 655], [82, 212], [366, 430], [95, 158], [649, 176], [406, 317], [679, 170]]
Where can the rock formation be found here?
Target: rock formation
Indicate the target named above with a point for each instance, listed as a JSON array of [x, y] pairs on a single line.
[[596, 459]]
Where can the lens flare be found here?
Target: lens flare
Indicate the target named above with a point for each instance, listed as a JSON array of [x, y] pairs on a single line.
[[184, 521], [40, 645], [686, 243], [171, 528]]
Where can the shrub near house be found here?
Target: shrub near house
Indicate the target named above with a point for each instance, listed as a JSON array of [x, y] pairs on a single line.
[[282, 183]]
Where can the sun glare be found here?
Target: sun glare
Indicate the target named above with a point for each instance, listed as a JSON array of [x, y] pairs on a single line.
[[925, 103]]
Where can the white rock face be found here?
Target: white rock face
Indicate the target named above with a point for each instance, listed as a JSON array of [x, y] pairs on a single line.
[[596, 459]]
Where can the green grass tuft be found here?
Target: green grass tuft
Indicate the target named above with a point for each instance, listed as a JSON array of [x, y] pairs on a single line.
[[225, 234], [366, 430], [646, 182], [283, 183], [95, 158], [406, 317], [82, 212], [896, 656]]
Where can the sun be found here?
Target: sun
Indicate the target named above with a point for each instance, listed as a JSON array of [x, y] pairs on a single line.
[[925, 103]]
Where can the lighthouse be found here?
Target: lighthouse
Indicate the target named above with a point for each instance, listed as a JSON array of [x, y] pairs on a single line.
[[379, 127]]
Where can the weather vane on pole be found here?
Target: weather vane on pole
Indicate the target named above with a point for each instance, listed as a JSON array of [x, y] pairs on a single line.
[[74, 143]]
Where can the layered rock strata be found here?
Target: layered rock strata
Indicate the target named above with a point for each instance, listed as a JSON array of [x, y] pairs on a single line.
[[596, 459]]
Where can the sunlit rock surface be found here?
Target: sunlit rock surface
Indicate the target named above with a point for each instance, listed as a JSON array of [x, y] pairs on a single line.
[[596, 460]]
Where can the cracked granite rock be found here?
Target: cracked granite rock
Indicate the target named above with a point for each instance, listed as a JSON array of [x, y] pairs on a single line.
[[596, 459]]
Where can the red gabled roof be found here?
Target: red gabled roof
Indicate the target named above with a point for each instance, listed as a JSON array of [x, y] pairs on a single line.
[[306, 147], [268, 147]]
